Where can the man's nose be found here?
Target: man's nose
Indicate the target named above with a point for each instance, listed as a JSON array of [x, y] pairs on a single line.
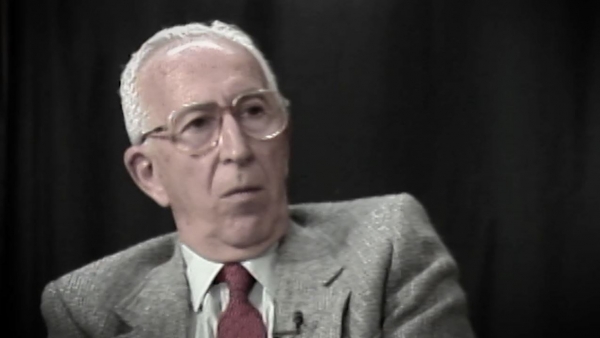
[[234, 146]]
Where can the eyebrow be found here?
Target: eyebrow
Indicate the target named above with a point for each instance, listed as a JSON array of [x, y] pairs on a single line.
[[211, 105]]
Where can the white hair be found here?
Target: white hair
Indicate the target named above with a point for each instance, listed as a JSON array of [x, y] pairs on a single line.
[[133, 112]]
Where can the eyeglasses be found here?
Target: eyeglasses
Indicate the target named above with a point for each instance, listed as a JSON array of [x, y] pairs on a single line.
[[196, 128]]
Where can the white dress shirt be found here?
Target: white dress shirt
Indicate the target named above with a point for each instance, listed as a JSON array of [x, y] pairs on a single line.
[[208, 300]]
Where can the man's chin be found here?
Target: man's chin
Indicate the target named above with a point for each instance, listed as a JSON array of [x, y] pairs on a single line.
[[250, 232], [246, 235]]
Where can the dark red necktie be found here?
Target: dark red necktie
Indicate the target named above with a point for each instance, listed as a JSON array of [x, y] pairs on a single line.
[[240, 318]]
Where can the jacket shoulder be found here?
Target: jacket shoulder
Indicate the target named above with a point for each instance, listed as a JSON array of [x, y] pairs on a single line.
[[386, 212], [375, 226], [129, 262], [98, 286]]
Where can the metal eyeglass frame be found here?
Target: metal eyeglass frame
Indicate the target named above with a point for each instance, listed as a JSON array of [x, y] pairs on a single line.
[[172, 136]]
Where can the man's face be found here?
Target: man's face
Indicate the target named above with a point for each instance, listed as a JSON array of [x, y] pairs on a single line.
[[213, 209]]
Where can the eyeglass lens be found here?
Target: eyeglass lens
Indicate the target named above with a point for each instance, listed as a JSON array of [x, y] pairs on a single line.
[[259, 115]]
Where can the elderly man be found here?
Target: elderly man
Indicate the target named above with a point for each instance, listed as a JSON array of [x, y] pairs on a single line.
[[209, 133]]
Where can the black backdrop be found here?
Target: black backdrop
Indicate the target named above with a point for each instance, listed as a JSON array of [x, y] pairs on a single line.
[[486, 111]]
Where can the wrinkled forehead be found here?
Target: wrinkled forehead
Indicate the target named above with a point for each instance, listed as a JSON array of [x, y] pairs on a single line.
[[195, 70], [189, 70], [206, 51]]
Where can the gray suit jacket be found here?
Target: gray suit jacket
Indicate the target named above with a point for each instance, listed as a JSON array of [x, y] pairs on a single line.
[[370, 267]]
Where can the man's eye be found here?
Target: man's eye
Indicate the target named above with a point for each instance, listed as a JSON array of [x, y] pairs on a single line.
[[198, 124], [255, 110]]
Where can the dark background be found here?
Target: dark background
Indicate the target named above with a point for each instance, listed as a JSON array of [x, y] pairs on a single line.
[[486, 111]]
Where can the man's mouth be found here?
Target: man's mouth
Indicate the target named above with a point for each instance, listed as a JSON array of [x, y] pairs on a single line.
[[242, 190]]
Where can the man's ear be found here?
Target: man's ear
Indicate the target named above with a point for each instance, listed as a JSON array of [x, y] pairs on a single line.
[[288, 138], [144, 174]]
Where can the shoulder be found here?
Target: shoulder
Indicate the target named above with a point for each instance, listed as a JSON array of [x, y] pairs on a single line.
[[102, 284], [383, 229], [126, 264], [384, 205], [391, 215]]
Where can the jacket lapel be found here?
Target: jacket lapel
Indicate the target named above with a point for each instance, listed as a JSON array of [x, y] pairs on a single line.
[[310, 281], [161, 305], [309, 278]]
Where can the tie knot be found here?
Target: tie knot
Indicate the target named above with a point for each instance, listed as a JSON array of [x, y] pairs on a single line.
[[237, 278]]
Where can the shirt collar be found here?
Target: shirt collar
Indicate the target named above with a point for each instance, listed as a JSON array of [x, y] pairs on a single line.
[[201, 272]]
